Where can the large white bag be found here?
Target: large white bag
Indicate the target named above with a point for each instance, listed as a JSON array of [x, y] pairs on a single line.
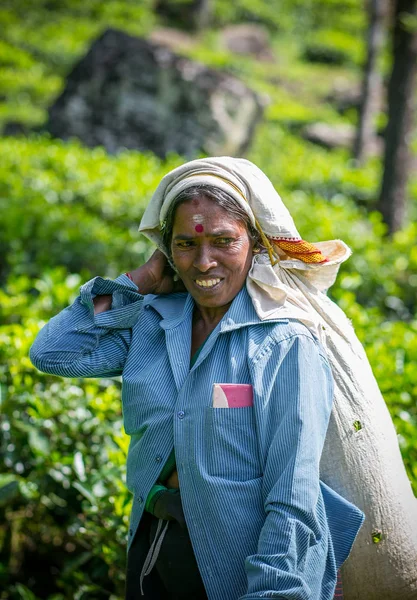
[[361, 458]]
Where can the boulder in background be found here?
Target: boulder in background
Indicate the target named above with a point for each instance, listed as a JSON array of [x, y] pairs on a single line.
[[248, 39], [131, 93], [337, 136]]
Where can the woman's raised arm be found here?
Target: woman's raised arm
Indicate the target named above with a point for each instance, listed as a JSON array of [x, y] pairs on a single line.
[[91, 337]]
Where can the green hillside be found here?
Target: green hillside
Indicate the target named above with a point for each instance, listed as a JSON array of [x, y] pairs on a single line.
[[69, 213]]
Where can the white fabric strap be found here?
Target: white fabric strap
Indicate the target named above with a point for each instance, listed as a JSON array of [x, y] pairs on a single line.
[[153, 553]]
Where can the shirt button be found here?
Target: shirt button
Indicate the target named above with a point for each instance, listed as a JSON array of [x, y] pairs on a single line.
[[181, 414], [140, 499], [130, 531], [158, 458]]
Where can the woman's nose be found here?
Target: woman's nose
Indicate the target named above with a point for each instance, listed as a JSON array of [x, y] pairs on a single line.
[[204, 259]]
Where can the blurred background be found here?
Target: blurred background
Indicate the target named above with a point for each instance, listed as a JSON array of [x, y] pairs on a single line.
[[98, 100]]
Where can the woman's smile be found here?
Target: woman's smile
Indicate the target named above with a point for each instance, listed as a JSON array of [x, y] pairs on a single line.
[[208, 284]]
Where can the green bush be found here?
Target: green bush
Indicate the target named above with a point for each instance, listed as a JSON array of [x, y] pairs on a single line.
[[333, 48], [293, 16], [63, 504], [66, 205], [392, 351]]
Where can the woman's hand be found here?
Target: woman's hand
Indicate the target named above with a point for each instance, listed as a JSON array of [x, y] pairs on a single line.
[[169, 507], [156, 276]]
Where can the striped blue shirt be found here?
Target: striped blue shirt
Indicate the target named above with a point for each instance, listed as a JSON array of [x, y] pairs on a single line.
[[261, 522]]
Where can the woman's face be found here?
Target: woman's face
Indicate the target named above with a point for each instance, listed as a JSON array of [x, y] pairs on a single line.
[[212, 252]]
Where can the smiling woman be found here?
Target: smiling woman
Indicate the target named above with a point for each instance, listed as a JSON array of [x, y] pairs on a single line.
[[227, 394]]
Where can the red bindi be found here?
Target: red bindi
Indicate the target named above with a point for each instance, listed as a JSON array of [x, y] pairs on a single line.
[[199, 228]]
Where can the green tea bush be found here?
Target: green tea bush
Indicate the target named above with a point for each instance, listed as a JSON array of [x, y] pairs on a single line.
[[63, 503], [334, 48], [293, 16], [33, 84], [10, 56], [257, 11], [66, 205], [392, 350]]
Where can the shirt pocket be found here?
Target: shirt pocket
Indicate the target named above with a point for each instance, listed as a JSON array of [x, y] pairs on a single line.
[[232, 444]]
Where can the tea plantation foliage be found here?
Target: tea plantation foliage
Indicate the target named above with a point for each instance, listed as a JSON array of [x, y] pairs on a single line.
[[69, 213]]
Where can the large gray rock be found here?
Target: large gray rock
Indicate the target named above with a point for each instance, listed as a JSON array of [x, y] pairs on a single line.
[[337, 136], [329, 136], [173, 39], [345, 97], [131, 93], [248, 39]]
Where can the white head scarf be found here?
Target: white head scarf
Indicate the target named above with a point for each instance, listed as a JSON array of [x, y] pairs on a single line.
[[241, 179]]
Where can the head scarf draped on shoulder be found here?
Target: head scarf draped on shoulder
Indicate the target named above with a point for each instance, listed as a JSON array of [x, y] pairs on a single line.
[[250, 187]]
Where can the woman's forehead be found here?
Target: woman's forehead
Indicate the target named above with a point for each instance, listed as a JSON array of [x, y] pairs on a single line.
[[203, 212]]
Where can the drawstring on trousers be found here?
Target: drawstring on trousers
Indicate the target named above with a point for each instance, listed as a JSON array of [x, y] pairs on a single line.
[[153, 553]]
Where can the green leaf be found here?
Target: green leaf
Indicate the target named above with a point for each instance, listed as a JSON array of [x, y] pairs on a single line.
[[86, 493], [24, 592], [9, 489], [79, 467], [38, 442]]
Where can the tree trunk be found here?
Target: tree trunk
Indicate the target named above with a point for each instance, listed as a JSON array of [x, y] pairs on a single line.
[[372, 80], [401, 99], [202, 15], [192, 15]]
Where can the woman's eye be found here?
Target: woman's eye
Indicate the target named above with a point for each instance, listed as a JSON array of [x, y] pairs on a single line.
[[224, 241], [184, 244]]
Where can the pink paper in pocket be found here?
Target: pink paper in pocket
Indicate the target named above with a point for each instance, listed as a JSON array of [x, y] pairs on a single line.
[[232, 395]]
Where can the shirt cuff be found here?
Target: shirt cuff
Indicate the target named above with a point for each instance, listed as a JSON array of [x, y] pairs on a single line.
[[155, 493], [126, 303]]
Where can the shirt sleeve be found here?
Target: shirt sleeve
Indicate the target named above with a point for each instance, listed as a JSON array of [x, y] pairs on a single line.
[[293, 388], [78, 343], [156, 492]]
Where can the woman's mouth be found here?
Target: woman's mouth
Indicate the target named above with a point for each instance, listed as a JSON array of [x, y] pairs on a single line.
[[206, 284]]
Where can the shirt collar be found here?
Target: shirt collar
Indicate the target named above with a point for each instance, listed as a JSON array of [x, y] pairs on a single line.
[[173, 308], [176, 308]]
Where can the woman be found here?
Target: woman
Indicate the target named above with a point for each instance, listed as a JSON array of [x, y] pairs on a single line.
[[226, 399]]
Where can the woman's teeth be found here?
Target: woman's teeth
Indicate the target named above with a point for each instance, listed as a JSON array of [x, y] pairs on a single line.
[[207, 282]]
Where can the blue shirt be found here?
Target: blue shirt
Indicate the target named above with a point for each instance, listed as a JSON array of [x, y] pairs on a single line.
[[261, 523]]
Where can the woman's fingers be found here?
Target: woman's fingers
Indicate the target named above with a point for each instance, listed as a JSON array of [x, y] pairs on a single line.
[[156, 276]]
